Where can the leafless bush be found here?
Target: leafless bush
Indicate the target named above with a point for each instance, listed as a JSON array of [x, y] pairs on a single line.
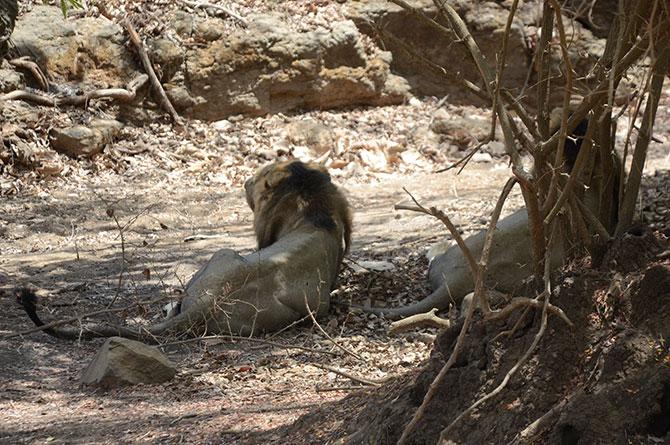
[[554, 196]]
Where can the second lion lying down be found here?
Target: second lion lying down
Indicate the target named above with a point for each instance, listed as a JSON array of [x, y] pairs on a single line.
[[303, 226]]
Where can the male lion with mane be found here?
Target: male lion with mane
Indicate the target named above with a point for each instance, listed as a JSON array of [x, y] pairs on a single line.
[[303, 226]]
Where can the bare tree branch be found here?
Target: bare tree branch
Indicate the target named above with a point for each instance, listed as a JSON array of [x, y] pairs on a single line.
[[429, 319], [221, 8]]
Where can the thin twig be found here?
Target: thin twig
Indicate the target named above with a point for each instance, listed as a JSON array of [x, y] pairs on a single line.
[[438, 69], [266, 408], [478, 270], [363, 380], [247, 339], [642, 143], [338, 388], [479, 298], [432, 389], [148, 68], [582, 156], [465, 159], [565, 112], [502, 57], [541, 56], [421, 16], [472, 263], [459, 28], [123, 259], [598, 96], [592, 219], [543, 325], [228, 12], [325, 334], [79, 318]]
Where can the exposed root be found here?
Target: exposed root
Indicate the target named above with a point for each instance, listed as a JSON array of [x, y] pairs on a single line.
[[528, 302], [247, 339], [25, 63], [148, 68], [419, 320], [119, 94], [540, 423]]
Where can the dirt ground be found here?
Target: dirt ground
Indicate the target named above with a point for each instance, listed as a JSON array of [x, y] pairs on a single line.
[[61, 240]]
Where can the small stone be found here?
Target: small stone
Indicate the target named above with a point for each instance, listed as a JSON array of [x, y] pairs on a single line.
[[308, 133], [180, 97], [374, 159], [413, 101], [482, 157], [222, 125], [10, 80], [85, 141], [379, 266]]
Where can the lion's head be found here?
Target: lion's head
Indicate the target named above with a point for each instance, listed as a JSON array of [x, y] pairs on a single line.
[[286, 195]]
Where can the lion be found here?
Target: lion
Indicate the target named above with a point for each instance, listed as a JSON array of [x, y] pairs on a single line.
[[303, 225], [511, 259]]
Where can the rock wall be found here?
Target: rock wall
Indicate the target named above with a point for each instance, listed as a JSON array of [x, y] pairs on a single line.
[[268, 68], [211, 71], [486, 21], [265, 68], [89, 51]]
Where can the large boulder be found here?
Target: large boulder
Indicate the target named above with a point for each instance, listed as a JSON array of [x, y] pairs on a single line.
[[269, 68], [88, 50], [596, 15], [266, 68], [121, 362], [486, 21]]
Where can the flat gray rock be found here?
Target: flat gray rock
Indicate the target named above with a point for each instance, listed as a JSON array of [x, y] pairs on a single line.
[[121, 362]]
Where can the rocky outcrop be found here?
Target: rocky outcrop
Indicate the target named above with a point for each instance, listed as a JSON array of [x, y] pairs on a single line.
[[269, 68], [88, 50], [121, 362], [597, 15], [486, 21], [265, 68]]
